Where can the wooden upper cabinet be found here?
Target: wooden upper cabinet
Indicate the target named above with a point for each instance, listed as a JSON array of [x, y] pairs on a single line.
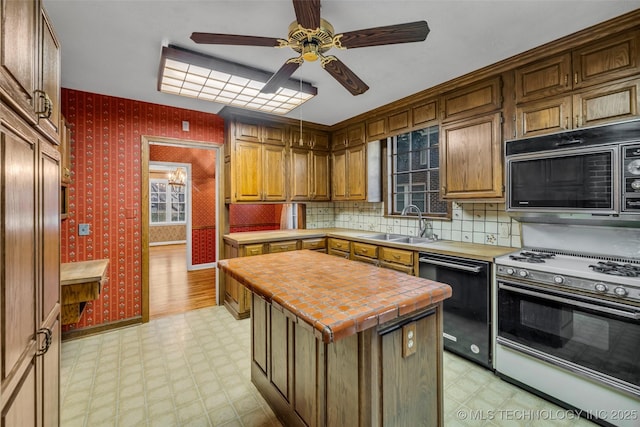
[[319, 185], [606, 60], [471, 159], [299, 174], [474, 99], [247, 171], [273, 185], [377, 128], [545, 78], [311, 138], [423, 114], [399, 121], [543, 116], [606, 103], [349, 136], [19, 55], [49, 120], [264, 133], [349, 171]]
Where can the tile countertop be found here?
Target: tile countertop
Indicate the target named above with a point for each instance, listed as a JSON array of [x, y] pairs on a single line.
[[335, 296], [444, 247]]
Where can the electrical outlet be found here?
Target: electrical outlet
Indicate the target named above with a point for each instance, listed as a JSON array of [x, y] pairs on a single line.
[[409, 341], [83, 230]]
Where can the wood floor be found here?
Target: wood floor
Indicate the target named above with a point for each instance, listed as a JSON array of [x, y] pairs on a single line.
[[173, 289]]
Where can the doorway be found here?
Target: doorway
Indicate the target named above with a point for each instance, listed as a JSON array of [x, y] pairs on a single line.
[[178, 270]]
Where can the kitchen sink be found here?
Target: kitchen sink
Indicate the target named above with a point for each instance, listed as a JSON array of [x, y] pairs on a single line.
[[399, 238]]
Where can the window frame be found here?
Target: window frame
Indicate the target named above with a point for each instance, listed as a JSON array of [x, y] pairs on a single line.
[[390, 175], [168, 202]]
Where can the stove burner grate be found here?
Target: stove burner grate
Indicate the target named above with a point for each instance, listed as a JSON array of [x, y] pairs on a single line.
[[532, 257], [615, 269]]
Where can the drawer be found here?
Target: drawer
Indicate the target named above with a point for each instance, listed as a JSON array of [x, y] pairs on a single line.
[[398, 267], [320, 243], [365, 250], [339, 244], [290, 245], [257, 249], [341, 254], [398, 256]]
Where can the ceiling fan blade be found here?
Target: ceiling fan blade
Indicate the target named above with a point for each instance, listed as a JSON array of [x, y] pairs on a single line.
[[232, 39], [307, 13], [345, 76], [282, 75], [392, 34]]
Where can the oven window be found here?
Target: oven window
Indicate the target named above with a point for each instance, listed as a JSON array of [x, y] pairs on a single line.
[[576, 182], [603, 342]]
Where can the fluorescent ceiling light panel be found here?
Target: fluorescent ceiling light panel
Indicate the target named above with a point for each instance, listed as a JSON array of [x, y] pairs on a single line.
[[195, 75]]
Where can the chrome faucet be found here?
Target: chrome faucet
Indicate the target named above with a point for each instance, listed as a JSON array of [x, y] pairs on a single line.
[[421, 225]]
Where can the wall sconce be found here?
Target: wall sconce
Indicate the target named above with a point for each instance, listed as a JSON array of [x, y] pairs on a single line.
[[195, 75]]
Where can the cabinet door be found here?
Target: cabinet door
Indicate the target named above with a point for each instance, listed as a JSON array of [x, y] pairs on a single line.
[[606, 103], [543, 116], [320, 175], [273, 173], [299, 177], [399, 122], [49, 378], [18, 248], [248, 171], [250, 132], [18, 54], [544, 78], [356, 173], [471, 100], [376, 128], [275, 134], [424, 113], [356, 134], [320, 140], [339, 175], [471, 159], [50, 233], [50, 80], [22, 407], [606, 60]]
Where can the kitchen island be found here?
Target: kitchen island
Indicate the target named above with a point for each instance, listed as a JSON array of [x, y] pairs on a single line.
[[338, 342]]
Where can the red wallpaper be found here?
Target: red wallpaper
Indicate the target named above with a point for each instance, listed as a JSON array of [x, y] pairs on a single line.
[[254, 217], [106, 188], [203, 194]]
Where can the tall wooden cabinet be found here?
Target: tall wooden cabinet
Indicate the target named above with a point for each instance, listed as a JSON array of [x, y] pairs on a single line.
[[29, 216]]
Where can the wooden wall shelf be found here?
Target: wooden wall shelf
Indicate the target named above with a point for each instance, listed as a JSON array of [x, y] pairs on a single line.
[[80, 282]]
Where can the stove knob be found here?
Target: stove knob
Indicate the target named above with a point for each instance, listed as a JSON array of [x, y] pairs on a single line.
[[510, 271], [523, 273], [558, 280], [601, 287], [620, 291]]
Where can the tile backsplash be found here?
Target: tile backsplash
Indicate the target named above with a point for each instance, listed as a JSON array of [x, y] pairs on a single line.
[[485, 223]]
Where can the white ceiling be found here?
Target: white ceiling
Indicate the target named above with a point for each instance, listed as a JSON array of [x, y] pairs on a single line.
[[112, 47]]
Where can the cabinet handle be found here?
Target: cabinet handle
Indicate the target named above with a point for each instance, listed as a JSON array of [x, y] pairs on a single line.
[[566, 122], [566, 79], [577, 121], [396, 256], [47, 341], [47, 105], [575, 77]]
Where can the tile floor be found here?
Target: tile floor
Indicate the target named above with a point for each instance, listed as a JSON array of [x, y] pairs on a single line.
[[192, 369]]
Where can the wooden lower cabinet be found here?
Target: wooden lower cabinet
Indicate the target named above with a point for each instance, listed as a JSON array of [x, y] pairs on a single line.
[[30, 279], [339, 247], [360, 380]]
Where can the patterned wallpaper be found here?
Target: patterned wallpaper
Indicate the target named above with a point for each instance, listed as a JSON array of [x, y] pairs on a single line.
[[203, 194], [105, 191], [254, 217]]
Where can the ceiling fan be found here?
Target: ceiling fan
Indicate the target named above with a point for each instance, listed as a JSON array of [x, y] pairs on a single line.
[[311, 36]]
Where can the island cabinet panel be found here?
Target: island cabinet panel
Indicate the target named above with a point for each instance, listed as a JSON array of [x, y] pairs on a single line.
[[364, 379], [402, 406]]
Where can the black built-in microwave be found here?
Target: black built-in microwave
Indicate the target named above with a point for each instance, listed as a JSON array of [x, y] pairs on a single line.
[[592, 170]]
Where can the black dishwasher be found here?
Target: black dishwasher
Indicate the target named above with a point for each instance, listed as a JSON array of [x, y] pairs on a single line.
[[467, 314]]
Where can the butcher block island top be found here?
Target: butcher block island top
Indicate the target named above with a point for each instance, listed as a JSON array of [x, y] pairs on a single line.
[[336, 296], [336, 342]]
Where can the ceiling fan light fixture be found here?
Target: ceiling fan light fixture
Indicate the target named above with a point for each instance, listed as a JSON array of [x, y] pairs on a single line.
[[195, 75], [310, 51]]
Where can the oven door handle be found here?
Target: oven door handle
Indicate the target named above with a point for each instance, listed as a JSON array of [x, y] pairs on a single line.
[[603, 309], [451, 265]]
